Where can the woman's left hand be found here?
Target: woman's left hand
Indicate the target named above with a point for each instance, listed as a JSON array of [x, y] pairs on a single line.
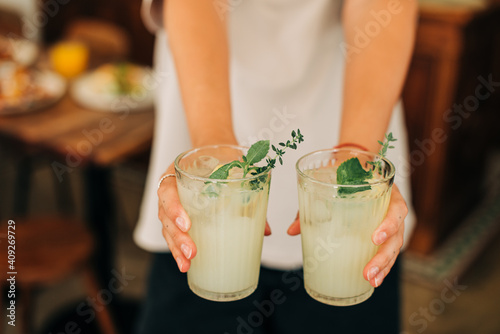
[[389, 235]]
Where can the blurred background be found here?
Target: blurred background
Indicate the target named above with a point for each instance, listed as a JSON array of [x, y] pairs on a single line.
[[76, 122]]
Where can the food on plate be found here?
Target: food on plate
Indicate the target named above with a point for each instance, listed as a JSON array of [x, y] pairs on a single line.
[[118, 79], [21, 51], [116, 87], [18, 86]]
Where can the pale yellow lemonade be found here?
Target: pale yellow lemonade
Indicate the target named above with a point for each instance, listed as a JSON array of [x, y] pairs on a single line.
[[228, 222], [336, 236]]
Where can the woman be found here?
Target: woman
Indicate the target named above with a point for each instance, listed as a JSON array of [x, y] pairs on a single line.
[[238, 71]]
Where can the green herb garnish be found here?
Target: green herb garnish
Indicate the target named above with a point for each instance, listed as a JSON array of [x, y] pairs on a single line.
[[255, 154], [383, 151], [124, 87], [350, 172]]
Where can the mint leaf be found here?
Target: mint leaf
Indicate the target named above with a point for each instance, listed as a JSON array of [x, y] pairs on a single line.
[[349, 191], [222, 172], [257, 152], [350, 172]]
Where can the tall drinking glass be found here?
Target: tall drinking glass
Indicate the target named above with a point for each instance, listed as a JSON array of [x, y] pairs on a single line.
[[337, 222], [228, 220]]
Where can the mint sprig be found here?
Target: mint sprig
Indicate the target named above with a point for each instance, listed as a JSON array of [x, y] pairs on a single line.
[[383, 151], [256, 153], [350, 172]]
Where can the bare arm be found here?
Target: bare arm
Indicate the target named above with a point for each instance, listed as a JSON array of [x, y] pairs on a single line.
[[373, 82], [374, 76], [198, 40], [375, 70]]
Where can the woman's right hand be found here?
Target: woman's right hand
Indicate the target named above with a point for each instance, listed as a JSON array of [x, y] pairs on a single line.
[[175, 221]]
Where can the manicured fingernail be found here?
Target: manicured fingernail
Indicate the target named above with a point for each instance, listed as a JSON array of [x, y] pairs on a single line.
[[380, 238], [268, 230], [179, 263], [186, 251], [379, 279], [372, 272], [181, 223]]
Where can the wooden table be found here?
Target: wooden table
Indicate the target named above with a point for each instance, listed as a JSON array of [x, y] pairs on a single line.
[[75, 137], [81, 136]]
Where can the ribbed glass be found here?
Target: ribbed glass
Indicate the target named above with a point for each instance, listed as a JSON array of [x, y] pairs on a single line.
[[336, 228], [228, 220]]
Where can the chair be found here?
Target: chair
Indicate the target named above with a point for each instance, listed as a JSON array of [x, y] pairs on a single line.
[[47, 250]]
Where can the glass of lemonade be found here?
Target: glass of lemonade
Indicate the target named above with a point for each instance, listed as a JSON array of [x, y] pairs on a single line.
[[337, 225], [228, 219]]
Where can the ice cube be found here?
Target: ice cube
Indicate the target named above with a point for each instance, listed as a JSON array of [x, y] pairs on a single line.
[[204, 165], [323, 174], [235, 173]]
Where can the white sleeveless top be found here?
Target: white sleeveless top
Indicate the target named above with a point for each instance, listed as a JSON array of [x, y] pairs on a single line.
[[286, 73]]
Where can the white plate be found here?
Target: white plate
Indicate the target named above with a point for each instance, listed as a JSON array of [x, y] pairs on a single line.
[[48, 88], [22, 51], [95, 90]]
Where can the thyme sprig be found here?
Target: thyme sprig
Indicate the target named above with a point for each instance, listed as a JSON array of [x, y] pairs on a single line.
[[255, 154], [383, 151]]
